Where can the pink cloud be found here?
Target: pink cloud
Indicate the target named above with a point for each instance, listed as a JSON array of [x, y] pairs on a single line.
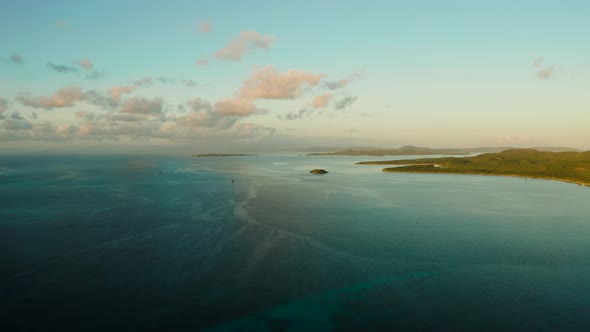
[[205, 26], [118, 91], [268, 83], [85, 63], [322, 100], [246, 41], [202, 62], [61, 98], [236, 107]]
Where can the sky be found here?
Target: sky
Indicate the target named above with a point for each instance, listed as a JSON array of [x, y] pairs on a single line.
[[216, 76]]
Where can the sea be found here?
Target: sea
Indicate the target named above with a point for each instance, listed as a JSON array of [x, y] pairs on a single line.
[[257, 243]]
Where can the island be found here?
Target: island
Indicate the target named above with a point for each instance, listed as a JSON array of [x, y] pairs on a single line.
[[224, 155], [318, 171], [410, 150], [571, 167]]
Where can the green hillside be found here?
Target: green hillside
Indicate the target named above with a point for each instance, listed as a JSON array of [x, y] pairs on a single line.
[[564, 166]]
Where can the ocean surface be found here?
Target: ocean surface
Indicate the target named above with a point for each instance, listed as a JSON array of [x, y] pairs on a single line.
[[174, 243]]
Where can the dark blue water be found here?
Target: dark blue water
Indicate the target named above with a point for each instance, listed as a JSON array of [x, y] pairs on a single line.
[[105, 243]]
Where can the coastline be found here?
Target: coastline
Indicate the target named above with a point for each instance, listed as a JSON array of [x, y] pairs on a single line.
[[584, 184]]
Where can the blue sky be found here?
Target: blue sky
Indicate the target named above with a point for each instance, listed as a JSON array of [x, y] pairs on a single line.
[[292, 74]]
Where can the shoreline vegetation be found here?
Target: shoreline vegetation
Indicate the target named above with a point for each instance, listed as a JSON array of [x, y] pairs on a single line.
[[571, 167], [224, 155], [410, 150]]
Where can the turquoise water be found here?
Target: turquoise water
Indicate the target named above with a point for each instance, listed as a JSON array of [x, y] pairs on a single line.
[[171, 243]]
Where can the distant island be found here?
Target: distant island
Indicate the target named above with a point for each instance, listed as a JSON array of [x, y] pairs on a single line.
[[562, 166], [410, 150], [224, 155], [318, 171]]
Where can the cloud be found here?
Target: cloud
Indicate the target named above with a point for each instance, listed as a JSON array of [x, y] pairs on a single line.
[[545, 73], [199, 104], [143, 106], [102, 100], [247, 41], [166, 80], [250, 130], [43, 130], [321, 100], [202, 62], [296, 115], [172, 81], [86, 115], [61, 68], [113, 97], [135, 126], [236, 107], [66, 130], [223, 115], [88, 65], [15, 58], [95, 74], [179, 130], [344, 102], [118, 91], [3, 105], [206, 119], [16, 124], [65, 97], [85, 63], [61, 24], [16, 116], [189, 83], [268, 83], [105, 130], [333, 85], [537, 62], [126, 117], [146, 81], [205, 26], [238, 131]]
